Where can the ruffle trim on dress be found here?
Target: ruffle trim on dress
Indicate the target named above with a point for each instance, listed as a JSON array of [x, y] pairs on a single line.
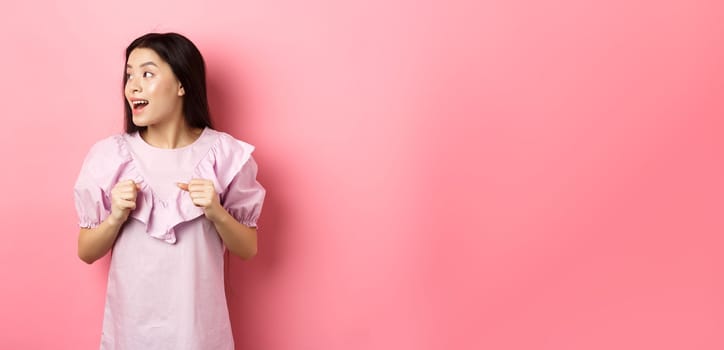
[[225, 158]]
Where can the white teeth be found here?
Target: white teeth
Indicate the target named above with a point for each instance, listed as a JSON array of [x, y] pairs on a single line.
[[135, 103]]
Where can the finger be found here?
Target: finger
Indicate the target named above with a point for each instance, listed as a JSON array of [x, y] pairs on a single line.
[[194, 187], [201, 182], [183, 186], [126, 204], [203, 187], [126, 187], [197, 195], [117, 194], [207, 193], [125, 183], [127, 192], [128, 197]]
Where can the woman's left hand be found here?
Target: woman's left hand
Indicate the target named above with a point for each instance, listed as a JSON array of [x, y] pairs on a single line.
[[203, 195]]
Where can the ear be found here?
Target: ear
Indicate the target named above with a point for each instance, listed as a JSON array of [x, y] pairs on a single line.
[[181, 90]]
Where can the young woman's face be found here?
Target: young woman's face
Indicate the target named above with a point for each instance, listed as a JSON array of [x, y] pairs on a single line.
[[152, 90]]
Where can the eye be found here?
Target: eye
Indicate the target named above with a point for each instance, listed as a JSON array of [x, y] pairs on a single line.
[[147, 74], [128, 76]]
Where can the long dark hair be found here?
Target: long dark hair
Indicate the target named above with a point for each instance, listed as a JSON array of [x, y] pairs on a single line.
[[187, 65]]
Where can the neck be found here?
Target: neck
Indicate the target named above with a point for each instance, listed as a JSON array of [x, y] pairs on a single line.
[[173, 134]]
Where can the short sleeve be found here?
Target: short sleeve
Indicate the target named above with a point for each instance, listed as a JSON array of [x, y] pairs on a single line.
[[244, 196], [100, 169], [90, 203]]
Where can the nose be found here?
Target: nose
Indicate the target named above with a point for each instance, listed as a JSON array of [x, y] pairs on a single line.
[[133, 86]]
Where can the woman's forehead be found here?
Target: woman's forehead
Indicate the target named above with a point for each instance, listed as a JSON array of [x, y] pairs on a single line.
[[144, 57]]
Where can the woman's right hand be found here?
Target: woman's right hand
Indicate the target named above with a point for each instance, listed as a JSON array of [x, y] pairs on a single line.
[[93, 243], [123, 200]]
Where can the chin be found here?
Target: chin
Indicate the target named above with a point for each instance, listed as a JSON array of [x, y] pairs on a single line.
[[141, 122]]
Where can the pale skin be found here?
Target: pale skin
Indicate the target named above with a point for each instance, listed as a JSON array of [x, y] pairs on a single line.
[[166, 127]]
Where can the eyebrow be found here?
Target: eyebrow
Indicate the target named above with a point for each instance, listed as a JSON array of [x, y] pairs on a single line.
[[149, 63]]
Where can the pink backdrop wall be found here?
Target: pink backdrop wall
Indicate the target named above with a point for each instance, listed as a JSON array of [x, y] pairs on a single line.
[[442, 175]]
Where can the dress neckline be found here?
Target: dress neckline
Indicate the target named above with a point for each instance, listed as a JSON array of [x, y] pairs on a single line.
[[146, 145]]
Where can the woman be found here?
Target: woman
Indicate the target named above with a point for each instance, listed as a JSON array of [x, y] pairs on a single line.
[[167, 197]]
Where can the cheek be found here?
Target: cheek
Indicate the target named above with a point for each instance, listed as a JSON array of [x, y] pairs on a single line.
[[150, 88], [160, 90], [170, 88], [127, 90]]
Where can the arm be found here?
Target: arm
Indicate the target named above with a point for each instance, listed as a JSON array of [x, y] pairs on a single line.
[[94, 243], [238, 238]]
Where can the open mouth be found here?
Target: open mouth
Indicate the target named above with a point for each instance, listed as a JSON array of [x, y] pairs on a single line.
[[139, 105]]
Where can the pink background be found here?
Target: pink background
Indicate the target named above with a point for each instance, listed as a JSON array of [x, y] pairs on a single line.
[[441, 175]]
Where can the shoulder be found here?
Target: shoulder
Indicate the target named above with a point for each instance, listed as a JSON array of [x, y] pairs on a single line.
[[109, 146], [228, 147], [105, 158], [226, 157], [230, 141]]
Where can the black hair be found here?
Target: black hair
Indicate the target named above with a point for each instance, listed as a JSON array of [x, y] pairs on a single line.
[[187, 65]]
